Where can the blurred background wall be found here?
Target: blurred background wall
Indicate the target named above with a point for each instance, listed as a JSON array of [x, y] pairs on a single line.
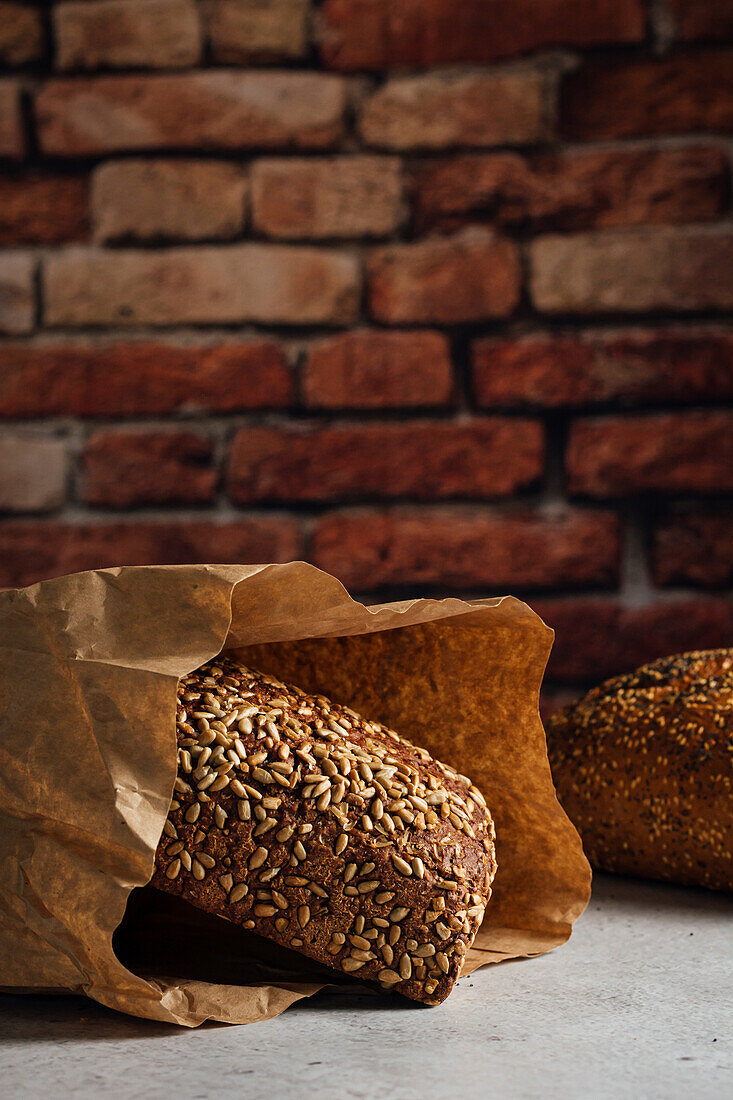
[[433, 293]]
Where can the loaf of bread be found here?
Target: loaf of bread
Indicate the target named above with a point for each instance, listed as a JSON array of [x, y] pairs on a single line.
[[328, 833], [643, 766]]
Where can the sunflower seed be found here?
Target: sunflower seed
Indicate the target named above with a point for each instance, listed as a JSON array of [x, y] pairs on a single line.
[[257, 858], [262, 775], [304, 915], [389, 977], [341, 843], [264, 910], [363, 956]]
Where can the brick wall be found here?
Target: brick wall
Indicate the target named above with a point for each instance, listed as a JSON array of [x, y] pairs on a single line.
[[435, 295]]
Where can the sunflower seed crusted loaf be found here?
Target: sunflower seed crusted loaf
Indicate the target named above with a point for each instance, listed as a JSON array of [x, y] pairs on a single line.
[[643, 766], [298, 819]]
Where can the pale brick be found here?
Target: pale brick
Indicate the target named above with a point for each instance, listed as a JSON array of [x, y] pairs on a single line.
[[634, 270], [257, 30], [440, 110], [124, 34], [269, 284], [357, 196], [199, 110], [168, 200], [32, 473], [17, 295]]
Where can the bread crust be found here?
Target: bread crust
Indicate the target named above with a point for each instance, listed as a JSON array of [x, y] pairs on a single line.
[[643, 766], [300, 820]]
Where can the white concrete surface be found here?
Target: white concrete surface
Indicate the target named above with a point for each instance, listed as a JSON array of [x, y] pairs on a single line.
[[638, 1005]]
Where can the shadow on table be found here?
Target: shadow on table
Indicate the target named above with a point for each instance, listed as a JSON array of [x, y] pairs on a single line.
[[32, 1018], [615, 892]]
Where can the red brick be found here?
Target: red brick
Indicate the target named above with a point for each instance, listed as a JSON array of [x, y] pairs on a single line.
[[461, 549], [378, 370], [638, 98], [381, 34], [148, 378], [427, 461], [596, 639], [38, 208], [257, 31], [148, 200], [634, 270], [199, 110], [32, 551], [694, 548], [440, 110], [355, 196], [630, 368], [129, 469], [125, 34], [32, 473], [571, 191], [21, 33], [12, 139], [696, 19], [17, 293], [473, 276], [688, 452], [270, 284]]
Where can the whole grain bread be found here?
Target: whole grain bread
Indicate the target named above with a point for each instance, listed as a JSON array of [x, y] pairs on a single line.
[[643, 766], [296, 818]]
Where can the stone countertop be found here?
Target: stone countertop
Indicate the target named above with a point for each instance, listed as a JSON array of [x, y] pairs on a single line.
[[637, 1005]]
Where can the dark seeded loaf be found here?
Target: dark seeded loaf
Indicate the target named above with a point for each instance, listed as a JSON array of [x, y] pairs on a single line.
[[643, 766], [325, 832]]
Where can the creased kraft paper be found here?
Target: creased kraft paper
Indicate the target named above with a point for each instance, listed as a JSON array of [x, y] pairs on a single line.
[[89, 665]]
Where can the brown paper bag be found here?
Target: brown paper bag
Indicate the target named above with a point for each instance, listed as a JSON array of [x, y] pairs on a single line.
[[89, 665]]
